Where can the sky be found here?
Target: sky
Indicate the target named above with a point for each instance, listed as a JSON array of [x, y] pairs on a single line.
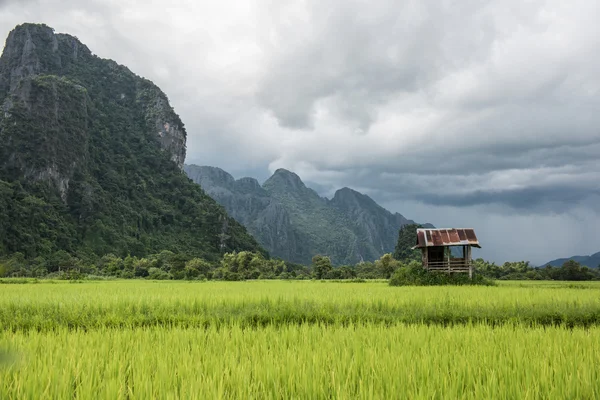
[[467, 113]]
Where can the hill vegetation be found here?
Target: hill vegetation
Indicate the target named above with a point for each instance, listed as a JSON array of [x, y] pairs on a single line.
[[592, 261], [90, 161]]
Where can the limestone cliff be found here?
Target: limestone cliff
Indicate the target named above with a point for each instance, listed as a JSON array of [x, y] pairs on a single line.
[[34, 51], [91, 157]]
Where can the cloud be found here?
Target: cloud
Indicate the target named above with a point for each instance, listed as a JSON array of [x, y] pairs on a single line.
[[445, 101], [475, 108]]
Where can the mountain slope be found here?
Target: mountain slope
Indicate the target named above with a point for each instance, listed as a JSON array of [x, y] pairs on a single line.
[[378, 224], [293, 222], [250, 204], [328, 231], [91, 157], [592, 261]]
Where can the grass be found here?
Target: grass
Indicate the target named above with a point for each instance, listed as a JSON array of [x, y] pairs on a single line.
[[309, 361], [279, 339], [131, 304]]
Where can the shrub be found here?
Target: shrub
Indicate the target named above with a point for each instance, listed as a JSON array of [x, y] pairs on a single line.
[[417, 276], [231, 276], [158, 274]]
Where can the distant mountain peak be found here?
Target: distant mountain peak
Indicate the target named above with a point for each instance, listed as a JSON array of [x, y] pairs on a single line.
[[214, 174], [293, 222], [350, 198], [282, 172], [347, 191], [33, 49], [591, 261], [285, 179]]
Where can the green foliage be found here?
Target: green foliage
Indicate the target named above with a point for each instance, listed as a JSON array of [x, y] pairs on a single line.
[[415, 275], [386, 265], [248, 265], [570, 271], [573, 271], [158, 274], [407, 238], [196, 268], [82, 168], [321, 266]]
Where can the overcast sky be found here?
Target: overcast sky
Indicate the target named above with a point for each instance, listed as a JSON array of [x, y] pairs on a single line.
[[464, 113]]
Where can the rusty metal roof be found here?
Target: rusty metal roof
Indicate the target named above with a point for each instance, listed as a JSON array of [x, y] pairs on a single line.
[[446, 237]]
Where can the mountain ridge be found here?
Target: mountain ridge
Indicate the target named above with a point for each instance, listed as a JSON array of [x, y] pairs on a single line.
[[592, 261], [350, 227]]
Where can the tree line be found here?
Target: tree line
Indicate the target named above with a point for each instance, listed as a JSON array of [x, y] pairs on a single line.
[[243, 265], [246, 265]]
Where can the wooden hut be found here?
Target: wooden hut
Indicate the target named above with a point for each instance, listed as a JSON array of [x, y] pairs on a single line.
[[437, 249]]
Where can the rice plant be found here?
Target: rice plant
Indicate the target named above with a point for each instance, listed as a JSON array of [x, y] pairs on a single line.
[[130, 304], [277, 339], [307, 361]]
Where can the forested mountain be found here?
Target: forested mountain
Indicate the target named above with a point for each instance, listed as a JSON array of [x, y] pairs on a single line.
[[592, 261], [293, 222], [91, 157]]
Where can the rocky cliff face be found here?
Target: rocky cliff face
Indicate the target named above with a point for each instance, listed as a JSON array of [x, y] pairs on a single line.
[[91, 157], [167, 126], [293, 222], [44, 103], [245, 197], [251, 205], [33, 51], [379, 226]]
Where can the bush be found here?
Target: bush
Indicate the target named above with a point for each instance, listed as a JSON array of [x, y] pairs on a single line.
[[231, 276], [158, 274], [418, 276]]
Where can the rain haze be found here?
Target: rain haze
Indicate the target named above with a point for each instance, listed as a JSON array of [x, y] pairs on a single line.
[[459, 113]]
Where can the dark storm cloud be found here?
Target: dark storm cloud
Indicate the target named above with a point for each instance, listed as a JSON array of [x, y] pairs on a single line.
[[484, 101], [556, 199], [525, 193]]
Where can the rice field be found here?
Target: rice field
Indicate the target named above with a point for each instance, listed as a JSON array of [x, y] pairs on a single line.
[[278, 339]]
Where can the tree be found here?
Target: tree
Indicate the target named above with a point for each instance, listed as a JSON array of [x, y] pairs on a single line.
[[141, 267], [17, 265], [196, 267], [573, 271], [321, 266], [366, 270], [347, 272], [407, 238], [111, 264], [386, 265]]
